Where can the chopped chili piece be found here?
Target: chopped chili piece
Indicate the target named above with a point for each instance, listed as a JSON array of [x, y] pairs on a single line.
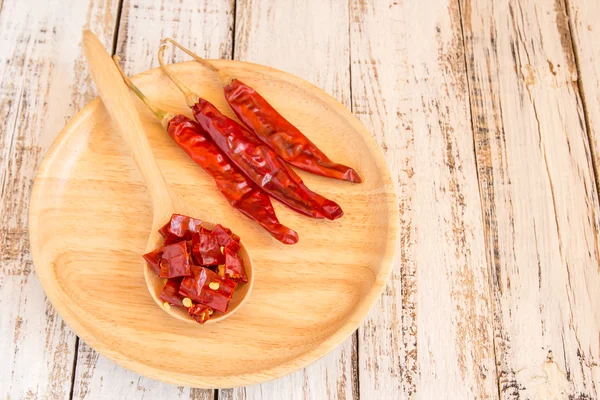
[[153, 259], [180, 227], [175, 261], [207, 249], [200, 312], [226, 239], [273, 129], [234, 267], [256, 159], [239, 190], [191, 266], [197, 287], [170, 292]]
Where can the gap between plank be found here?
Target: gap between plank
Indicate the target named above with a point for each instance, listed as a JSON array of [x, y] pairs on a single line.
[[481, 200], [356, 384], [117, 27], [233, 26], [586, 118], [74, 369]]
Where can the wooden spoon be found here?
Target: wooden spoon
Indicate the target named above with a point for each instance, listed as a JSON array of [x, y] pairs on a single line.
[[119, 104]]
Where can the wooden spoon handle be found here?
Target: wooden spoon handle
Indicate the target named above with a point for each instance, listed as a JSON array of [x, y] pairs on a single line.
[[117, 100]]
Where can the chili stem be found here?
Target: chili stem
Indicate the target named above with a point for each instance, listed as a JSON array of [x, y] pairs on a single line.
[[191, 98], [160, 114], [224, 77]]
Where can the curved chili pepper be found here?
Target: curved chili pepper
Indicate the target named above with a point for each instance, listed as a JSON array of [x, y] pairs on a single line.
[[262, 165], [239, 190], [274, 130], [256, 159]]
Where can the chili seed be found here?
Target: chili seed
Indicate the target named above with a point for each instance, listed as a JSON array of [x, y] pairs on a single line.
[[214, 285]]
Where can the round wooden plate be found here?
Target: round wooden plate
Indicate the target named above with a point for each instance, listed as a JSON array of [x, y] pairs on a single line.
[[90, 216]]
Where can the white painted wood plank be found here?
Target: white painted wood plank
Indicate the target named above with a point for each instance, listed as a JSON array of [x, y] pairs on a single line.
[[205, 26], [308, 39], [99, 378], [584, 28], [430, 335], [540, 198], [44, 82]]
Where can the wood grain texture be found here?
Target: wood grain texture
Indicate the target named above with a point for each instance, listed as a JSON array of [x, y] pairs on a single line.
[[208, 26], [43, 83], [99, 378], [539, 197], [430, 335], [205, 25], [583, 22], [307, 298], [308, 39]]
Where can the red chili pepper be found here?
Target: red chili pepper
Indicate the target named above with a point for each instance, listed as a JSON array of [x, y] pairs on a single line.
[[226, 239], [206, 287], [234, 267], [255, 159], [262, 165], [239, 190], [170, 292], [200, 312], [180, 227], [191, 282], [206, 248], [274, 130], [175, 261], [153, 259]]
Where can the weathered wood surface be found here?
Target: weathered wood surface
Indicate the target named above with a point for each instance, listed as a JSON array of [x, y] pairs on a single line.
[[488, 115], [43, 83], [539, 198], [431, 334]]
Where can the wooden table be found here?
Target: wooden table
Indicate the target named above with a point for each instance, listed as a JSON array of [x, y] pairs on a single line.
[[488, 113]]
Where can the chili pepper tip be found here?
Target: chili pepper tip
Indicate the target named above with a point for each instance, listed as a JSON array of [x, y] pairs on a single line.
[[332, 210], [352, 176]]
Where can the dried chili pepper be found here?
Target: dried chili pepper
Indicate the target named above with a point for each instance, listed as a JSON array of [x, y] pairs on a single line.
[[175, 261], [256, 159], [208, 288], [200, 312], [192, 281], [180, 227], [226, 239], [170, 293], [206, 248], [234, 266], [153, 259], [273, 129], [241, 192]]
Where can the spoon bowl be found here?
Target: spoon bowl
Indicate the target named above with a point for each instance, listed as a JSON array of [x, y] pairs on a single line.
[[119, 104], [156, 283]]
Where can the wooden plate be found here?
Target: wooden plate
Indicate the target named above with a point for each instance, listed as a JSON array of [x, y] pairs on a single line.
[[90, 216]]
